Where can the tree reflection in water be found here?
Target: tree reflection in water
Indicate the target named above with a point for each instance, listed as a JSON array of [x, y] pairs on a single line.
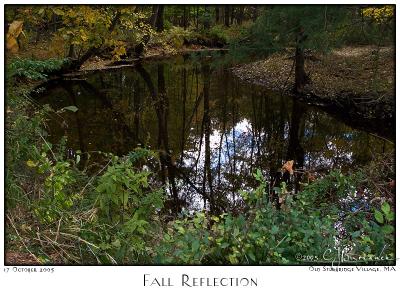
[[212, 131]]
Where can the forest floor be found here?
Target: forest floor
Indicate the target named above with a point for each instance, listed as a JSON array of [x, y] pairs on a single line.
[[19, 258], [365, 72]]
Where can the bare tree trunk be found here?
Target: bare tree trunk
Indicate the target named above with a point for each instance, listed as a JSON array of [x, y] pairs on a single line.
[[217, 16], [185, 17], [226, 15], [154, 14], [232, 15], [301, 78], [160, 19], [71, 51], [240, 14], [197, 17], [254, 15], [207, 17]]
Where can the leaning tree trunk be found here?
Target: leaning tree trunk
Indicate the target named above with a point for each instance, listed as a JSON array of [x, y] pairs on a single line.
[[94, 50], [301, 78], [75, 63]]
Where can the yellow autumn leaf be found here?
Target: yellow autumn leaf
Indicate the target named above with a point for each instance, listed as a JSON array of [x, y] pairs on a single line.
[[30, 163], [118, 51], [14, 31], [84, 37], [379, 14]]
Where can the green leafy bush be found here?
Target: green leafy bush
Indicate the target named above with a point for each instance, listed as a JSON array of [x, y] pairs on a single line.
[[127, 202], [24, 126], [177, 36], [34, 69], [227, 35], [264, 235], [304, 228], [59, 191]]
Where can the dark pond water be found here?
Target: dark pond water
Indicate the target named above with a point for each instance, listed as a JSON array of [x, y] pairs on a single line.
[[212, 130]]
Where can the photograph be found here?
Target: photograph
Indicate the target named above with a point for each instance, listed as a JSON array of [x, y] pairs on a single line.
[[199, 135]]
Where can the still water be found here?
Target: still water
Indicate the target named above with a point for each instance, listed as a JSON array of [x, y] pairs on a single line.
[[211, 129]]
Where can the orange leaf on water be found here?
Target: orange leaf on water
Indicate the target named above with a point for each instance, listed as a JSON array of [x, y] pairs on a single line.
[[288, 166]]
